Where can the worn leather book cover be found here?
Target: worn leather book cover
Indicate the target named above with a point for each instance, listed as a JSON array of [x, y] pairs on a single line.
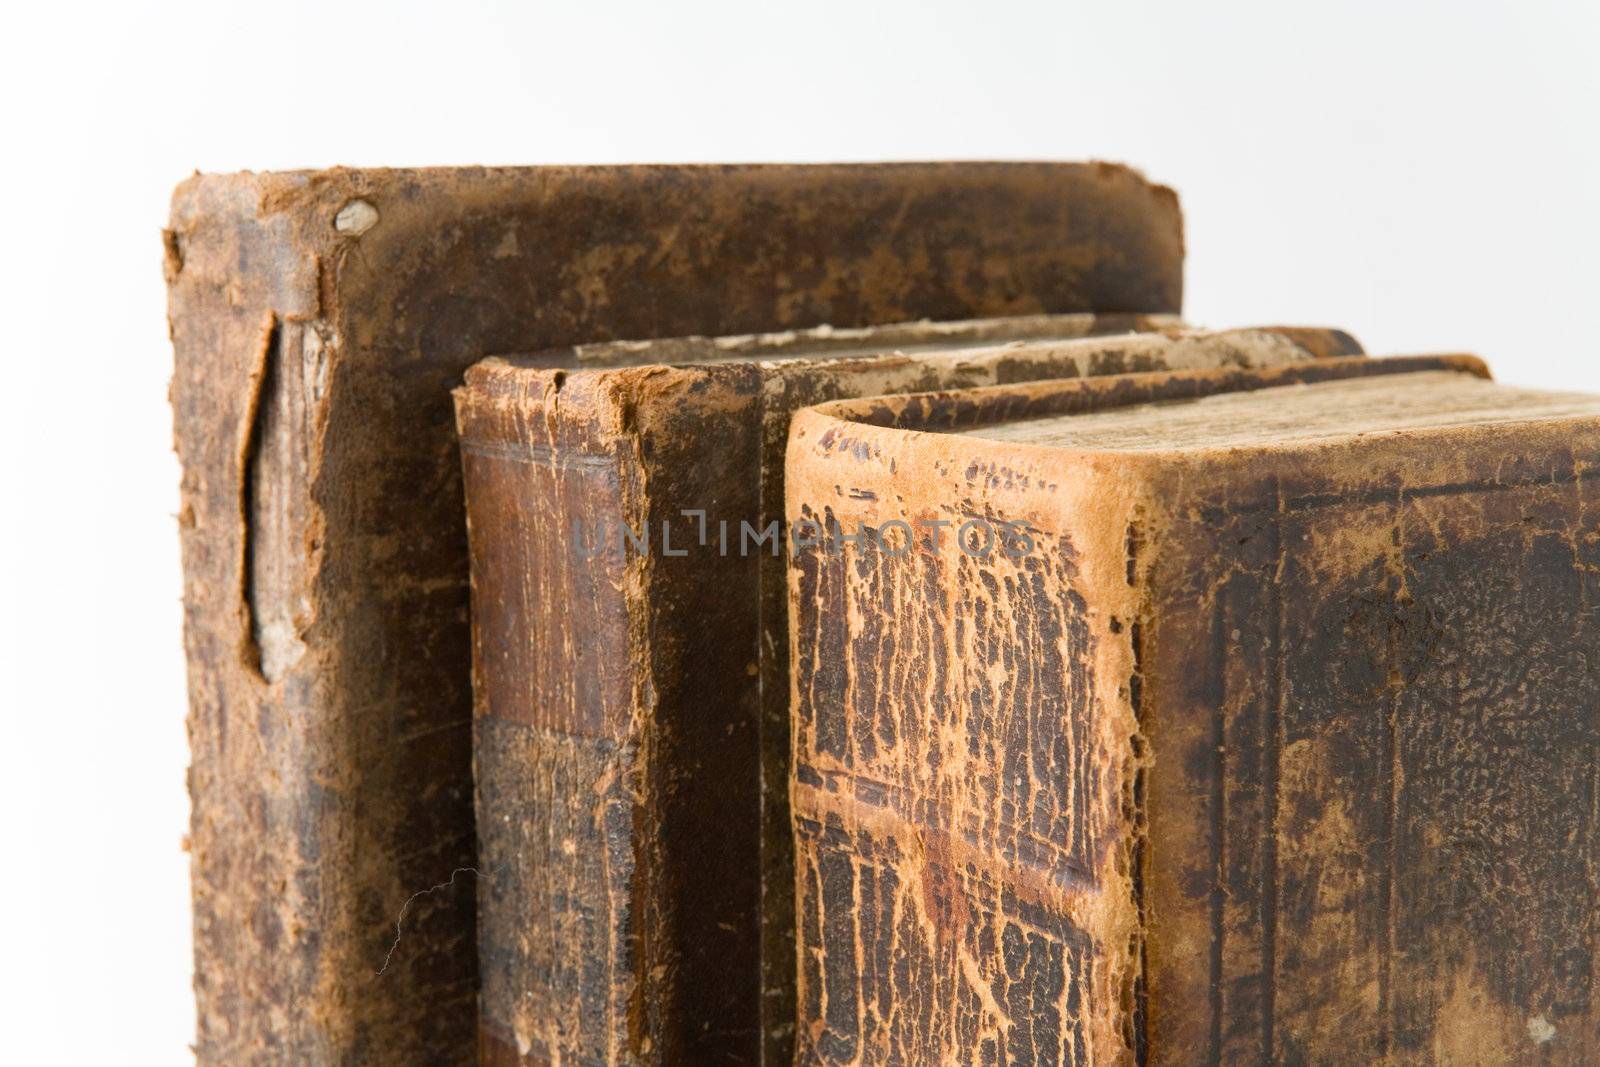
[[632, 730], [320, 320], [1239, 717]]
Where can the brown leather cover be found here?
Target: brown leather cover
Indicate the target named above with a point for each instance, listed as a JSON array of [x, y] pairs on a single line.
[[632, 730], [1258, 756], [319, 321]]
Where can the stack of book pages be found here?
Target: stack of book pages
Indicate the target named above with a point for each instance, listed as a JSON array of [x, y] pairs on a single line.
[[844, 615]]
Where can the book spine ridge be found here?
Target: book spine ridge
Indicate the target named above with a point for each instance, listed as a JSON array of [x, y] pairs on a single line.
[[559, 749]]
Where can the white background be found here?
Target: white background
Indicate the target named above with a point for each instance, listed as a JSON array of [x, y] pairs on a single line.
[[1423, 175]]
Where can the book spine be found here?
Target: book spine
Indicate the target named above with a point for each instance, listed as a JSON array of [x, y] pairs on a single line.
[[964, 784], [617, 768], [557, 746]]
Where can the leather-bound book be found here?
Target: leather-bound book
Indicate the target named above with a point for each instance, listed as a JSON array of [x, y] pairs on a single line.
[[1235, 717], [320, 320], [632, 729]]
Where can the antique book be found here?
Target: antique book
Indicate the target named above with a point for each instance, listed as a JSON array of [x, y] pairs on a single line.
[[630, 653], [1237, 717], [320, 320]]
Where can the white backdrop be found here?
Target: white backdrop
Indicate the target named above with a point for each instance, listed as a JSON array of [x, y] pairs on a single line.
[[1423, 175]]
